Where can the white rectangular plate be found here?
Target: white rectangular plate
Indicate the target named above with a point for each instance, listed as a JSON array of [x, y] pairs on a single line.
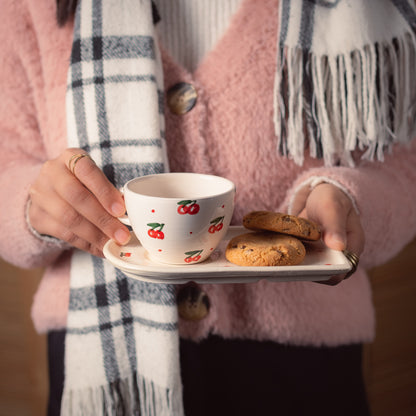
[[320, 263]]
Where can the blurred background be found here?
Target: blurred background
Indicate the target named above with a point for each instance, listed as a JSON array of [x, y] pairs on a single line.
[[389, 362]]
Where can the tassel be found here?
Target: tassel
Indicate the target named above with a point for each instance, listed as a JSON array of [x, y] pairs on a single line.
[[362, 100], [130, 396]]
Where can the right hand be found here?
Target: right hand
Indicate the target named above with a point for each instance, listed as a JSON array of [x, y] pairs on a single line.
[[79, 208]]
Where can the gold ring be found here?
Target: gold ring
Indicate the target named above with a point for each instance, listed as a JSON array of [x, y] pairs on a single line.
[[354, 260], [75, 159]]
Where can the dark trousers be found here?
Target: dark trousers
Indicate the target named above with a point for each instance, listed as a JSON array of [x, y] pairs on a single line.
[[235, 377], [240, 377]]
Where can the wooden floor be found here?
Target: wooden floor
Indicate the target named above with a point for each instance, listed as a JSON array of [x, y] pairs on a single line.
[[390, 362]]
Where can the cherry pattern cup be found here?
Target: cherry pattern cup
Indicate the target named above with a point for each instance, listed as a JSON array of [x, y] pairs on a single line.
[[179, 218]]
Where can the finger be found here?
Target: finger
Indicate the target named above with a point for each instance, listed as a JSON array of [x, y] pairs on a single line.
[[355, 234], [71, 190], [299, 200], [334, 226], [355, 244], [47, 225], [71, 220], [93, 178], [329, 207]]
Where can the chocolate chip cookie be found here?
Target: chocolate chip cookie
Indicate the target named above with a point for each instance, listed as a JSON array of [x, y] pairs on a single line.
[[265, 248], [282, 223]]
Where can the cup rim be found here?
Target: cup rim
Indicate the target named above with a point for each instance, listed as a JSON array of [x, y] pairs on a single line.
[[231, 185]]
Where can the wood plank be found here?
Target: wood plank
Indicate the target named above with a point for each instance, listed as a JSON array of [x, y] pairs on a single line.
[[23, 384], [390, 362]]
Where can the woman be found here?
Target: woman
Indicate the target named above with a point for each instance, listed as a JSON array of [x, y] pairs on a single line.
[[260, 348]]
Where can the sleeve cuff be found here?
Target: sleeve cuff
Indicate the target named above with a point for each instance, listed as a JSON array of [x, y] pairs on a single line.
[[314, 181], [43, 237]]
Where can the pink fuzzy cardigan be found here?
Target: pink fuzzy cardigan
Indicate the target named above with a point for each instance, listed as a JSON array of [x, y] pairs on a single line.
[[229, 133]]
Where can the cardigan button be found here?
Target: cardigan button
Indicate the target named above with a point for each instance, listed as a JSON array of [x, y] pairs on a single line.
[[181, 98], [193, 303]]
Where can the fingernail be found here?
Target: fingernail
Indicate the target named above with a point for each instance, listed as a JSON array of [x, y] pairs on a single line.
[[117, 209], [122, 236], [338, 239]]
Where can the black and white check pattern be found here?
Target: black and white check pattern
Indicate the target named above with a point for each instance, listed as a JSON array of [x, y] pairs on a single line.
[[345, 77], [121, 348]]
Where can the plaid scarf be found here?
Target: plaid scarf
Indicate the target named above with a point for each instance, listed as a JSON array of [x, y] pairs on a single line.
[[345, 78], [121, 347]]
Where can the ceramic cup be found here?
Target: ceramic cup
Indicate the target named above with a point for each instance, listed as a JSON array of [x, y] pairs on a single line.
[[179, 218]]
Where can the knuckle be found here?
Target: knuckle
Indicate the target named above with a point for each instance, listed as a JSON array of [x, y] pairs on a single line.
[[47, 166], [104, 193], [76, 241], [84, 245], [95, 251], [70, 151], [101, 241], [86, 168], [70, 237], [48, 169], [78, 195], [71, 218], [104, 220]]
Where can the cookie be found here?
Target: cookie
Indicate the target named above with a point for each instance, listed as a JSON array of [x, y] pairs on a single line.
[[282, 223], [265, 248]]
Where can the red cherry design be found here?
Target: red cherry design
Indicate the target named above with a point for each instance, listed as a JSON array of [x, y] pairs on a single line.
[[188, 207], [155, 230], [217, 225], [183, 209], [193, 209], [191, 256], [212, 229]]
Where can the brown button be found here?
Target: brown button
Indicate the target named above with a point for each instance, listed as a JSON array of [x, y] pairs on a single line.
[[182, 98], [193, 303]]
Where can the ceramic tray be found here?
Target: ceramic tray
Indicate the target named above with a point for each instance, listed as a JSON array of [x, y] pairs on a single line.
[[320, 263]]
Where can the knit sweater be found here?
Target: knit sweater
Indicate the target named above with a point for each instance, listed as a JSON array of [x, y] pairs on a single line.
[[228, 133], [190, 28]]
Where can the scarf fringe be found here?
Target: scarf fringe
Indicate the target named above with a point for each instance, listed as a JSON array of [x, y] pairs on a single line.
[[131, 396], [364, 100]]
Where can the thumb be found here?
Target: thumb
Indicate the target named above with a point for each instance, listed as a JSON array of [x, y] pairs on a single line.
[[333, 227]]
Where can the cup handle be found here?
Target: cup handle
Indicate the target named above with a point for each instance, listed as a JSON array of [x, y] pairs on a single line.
[[124, 218]]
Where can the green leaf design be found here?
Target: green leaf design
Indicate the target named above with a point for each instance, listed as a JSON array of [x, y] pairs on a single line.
[[185, 202], [193, 253], [215, 221]]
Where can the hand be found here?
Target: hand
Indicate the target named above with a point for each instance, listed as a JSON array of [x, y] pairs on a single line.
[[79, 208], [330, 207]]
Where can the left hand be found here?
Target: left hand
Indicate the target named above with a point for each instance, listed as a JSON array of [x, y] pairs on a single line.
[[333, 210]]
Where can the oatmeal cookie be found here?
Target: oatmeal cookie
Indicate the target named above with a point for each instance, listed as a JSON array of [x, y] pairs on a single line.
[[265, 248], [282, 223]]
